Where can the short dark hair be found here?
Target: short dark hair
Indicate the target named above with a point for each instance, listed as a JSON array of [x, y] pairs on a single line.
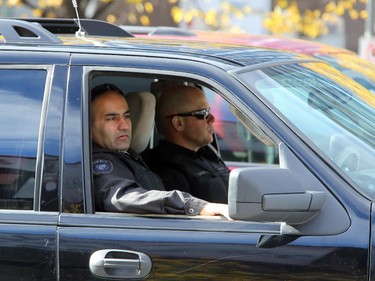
[[102, 88]]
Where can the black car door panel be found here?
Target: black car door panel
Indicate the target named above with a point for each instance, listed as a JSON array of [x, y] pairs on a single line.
[[93, 246], [198, 249]]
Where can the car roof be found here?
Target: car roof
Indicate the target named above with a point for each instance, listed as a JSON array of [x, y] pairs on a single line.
[[255, 40], [17, 34], [275, 42], [348, 62]]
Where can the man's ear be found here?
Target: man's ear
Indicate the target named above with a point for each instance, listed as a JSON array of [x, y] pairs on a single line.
[[178, 123]]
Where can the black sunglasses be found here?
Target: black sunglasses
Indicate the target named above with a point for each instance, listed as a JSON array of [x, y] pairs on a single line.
[[200, 114]]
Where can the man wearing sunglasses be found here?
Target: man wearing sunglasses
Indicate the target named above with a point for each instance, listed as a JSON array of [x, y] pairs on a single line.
[[122, 182], [183, 158]]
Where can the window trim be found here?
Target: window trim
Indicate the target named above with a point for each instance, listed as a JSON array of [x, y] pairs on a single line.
[[86, 74], [40, 146]]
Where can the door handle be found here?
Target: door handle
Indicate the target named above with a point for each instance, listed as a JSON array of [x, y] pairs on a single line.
[[112, 263]]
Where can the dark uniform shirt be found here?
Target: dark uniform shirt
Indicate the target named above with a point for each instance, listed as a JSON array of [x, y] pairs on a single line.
[[123, 183], [203, 174]]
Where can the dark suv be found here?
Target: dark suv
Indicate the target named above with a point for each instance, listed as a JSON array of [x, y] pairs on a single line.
[[302, 210]]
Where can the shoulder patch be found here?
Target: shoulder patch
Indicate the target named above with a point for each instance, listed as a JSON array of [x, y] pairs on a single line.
[[102, 166]]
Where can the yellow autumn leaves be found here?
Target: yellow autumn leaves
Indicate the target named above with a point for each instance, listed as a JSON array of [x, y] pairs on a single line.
[[215, 17], [286, 17]]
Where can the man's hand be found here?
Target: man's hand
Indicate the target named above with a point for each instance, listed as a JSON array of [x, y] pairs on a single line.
[[214, 209]]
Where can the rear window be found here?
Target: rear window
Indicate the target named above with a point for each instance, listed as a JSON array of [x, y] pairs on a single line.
[[21, 94]]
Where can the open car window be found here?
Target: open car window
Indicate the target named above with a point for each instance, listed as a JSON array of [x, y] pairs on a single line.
[[238, 141]]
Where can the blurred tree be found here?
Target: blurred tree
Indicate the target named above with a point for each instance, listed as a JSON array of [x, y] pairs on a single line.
[[140, 12], [302, 18], [313, 18], [214, 14]]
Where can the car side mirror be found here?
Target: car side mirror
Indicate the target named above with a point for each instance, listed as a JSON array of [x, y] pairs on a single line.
[[288, 194], [272, 195]]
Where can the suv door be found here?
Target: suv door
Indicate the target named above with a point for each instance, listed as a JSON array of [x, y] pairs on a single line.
[[30, 131], [130, 246]]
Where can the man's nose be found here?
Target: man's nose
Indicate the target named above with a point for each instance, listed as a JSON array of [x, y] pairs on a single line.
[[124, 124], [211, 118]]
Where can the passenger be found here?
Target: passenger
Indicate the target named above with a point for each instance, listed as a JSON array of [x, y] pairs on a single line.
[[122, 182], [183, 159]]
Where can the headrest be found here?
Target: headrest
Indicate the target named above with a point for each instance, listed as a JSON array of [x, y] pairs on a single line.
[[142, 115]]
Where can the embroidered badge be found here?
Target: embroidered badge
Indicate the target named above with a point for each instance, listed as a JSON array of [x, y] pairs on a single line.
[[201, 173], [102, 166]]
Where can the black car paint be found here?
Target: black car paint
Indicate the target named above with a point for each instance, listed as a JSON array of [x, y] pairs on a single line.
[[60, 242]]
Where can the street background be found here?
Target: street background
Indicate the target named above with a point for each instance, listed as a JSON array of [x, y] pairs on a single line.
[[341, 23]]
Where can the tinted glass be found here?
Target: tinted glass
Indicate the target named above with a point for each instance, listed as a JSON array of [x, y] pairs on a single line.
[[21, 94], [334, 114]]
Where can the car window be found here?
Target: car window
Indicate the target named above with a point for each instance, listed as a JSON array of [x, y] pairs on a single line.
[[237, 139], [337, 118], [237, 143], [20, 110]]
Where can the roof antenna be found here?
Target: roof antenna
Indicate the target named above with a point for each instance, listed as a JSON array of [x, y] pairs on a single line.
[[80, 32]]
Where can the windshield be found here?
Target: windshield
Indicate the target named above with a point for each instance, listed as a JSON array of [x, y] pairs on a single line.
[[359, 69], [334, 113]]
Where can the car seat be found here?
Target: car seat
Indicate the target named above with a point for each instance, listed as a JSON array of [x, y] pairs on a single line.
[[142, 115]]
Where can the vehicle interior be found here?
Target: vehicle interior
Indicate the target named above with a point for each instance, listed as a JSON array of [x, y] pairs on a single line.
[[17, 179], [237, 142], [258, 166]]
